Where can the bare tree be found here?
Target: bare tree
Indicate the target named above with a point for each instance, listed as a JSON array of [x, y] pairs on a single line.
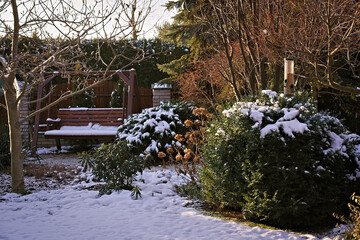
[[63, 27], [323, 36], [231, 26], [135, 14]]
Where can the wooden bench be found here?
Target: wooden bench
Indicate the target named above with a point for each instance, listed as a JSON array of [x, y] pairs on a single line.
[[84, 123]]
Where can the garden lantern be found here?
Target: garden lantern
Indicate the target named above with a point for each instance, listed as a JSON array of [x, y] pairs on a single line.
[[289, 86]]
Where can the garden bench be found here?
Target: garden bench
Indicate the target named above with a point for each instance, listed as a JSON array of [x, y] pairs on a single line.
[[84, 123]]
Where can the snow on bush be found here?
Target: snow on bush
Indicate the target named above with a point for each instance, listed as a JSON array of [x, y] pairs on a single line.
[[280, 162], [154, 129]]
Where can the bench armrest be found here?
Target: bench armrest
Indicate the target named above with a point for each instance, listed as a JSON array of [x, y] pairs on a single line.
[[52, 123]]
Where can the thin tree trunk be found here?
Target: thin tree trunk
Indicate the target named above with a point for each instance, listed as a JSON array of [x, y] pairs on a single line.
[[17, 158], [277, 78], [13, 112], [263, 78]]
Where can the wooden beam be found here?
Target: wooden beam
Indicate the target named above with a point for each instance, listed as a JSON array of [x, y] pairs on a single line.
[[37, 116], [130, 109]]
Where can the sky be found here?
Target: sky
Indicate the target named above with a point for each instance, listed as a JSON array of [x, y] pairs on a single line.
[[157, 16]]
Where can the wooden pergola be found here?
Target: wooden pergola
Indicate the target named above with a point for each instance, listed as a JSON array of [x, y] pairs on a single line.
[[128, 76]]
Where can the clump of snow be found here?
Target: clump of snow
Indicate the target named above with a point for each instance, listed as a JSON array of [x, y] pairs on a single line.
[[268, 129], [257, 116], [270, 93], [292, 126], [91, 129], [289, 115], [159, 85], [43, 150]]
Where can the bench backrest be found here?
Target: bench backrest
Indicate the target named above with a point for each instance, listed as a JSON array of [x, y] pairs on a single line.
[[83, 116]]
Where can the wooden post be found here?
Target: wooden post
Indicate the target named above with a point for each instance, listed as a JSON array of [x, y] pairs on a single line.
[[37, 116], [289, 87]]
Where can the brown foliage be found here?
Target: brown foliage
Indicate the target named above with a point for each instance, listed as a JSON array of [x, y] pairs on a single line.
[[188, 157], [352, 230], [207, 82]]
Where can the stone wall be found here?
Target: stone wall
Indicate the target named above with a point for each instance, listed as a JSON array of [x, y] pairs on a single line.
[[25, 127]]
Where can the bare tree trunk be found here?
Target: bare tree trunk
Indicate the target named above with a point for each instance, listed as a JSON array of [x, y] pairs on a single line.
[[277, 78], [263, 78], [252, 79], [13, 112], [17, 157]]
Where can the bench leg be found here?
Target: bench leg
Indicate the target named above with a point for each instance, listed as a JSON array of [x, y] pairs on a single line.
[[58, 144]]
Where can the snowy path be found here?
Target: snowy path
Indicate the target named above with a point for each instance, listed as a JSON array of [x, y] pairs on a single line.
[[71, 213]]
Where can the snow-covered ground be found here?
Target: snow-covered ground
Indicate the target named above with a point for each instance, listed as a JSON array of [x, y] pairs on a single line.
[[74, 212]]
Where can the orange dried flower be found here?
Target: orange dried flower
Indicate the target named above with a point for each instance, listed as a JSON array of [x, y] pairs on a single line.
[[188, 123], [178, 157], [197, 133], [170, 150], [161, 155], [204, 111], [199, 111], [209, 115], [197, 122], [196, 159], [179, 137], [186, 150], [196, 111], [187, 156]]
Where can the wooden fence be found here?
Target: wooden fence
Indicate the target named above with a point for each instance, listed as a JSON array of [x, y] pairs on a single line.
[[102, 99]]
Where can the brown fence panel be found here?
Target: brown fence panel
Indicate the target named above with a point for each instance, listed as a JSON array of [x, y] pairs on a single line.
[[103, 94], [145, 98], [102, 98]]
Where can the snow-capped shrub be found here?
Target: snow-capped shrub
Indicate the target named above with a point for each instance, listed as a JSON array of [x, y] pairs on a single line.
[[153, 130], [280, 162]]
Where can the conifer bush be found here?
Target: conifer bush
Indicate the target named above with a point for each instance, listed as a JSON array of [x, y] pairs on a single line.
[[153, 130], [115, 164], [85, 99], [280, 162], [117, 97]]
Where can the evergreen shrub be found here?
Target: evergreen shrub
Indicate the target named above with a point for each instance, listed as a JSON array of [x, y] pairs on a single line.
[[85, 99], [4, 148], [115, 164], [280, 162], [117, 97], [153, 130]]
